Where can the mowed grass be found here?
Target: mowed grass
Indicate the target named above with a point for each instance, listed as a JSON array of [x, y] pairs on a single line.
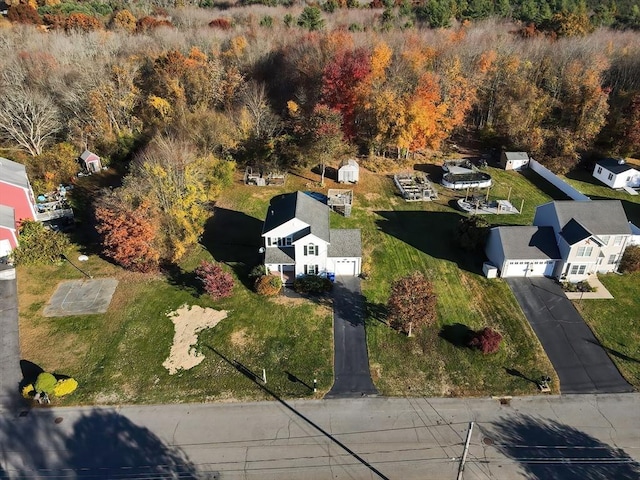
[[400, 238], [615, 322], [117, 356]]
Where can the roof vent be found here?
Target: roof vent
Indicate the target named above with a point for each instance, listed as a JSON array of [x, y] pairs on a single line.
[[621, 161]]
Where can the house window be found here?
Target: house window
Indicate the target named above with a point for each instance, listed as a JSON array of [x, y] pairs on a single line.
[[617, 241], [599, 170], [281, 241], [578, 269], [585, 251], [612, 259], [311, 249], [610, 177], [605, 239], [311, 269]]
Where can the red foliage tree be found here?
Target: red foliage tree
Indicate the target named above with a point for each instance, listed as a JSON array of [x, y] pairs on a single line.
[[216, 282], [220, 23], [127, 236], [149, 23], [341, 81], [486, 340], [23, 13], [82, 22], [412, 303]]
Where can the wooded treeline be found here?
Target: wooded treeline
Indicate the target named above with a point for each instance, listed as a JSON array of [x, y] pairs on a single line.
[[280, 87]]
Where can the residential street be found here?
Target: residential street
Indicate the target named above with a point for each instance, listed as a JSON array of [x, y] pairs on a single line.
[[351, 360], [569, 437], [580, 361]]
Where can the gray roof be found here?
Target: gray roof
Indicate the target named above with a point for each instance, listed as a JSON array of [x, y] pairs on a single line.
[[573, 232], [600, 217], [516, 156], [7, 217], [279, 255], [349, 163], [86, 154], [13, 173], [301, 206], [525, 243], [345, 243], [615, 165]]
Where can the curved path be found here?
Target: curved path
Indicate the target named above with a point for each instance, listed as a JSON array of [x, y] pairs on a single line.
[[351, 361]]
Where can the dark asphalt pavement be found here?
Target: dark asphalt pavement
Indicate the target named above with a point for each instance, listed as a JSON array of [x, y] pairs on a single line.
[[10, 374], [351, 361], [580, 361]]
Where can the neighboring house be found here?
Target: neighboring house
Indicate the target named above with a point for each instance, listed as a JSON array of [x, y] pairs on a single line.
[[589, 237], [523, 251], [616, 173], [349, 171], [16, 191], [635, 235], [298, 240], [514, 160], [90, 162], [8, 230]]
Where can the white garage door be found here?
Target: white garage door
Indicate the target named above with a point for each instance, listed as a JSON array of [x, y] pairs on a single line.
[[345, 267], [529, 268]]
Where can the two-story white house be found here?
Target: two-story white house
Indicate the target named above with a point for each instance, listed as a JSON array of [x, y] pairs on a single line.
[[568, 240], [298, 240]]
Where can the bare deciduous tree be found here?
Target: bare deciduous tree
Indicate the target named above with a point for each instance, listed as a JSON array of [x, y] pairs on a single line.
[[28, 118]]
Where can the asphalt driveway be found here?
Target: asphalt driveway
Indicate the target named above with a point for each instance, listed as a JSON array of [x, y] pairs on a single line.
[[350, 359], [10, 375], [580, 361]]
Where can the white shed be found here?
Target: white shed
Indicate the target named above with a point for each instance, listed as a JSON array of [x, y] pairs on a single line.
[[514, 160], [349, 171], [616, 173]]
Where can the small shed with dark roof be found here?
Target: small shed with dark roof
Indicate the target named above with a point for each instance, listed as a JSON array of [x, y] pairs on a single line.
[[523, 251], [617, 173]]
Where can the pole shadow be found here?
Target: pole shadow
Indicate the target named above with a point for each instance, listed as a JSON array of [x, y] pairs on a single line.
[[516, 373]]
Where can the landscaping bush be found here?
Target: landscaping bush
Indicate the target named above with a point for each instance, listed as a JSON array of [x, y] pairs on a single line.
[[65, 387], [46, 383], [582, 286], [39, 245], [257, 272], [216, 282], [486, 340], [630, 260], [268, 285], [312, 284]]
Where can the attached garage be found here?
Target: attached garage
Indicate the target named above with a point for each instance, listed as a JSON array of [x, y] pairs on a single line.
[[523, 251], [345, 252], [346, 267]]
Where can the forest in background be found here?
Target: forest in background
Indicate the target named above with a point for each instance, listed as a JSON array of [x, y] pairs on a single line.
[[176, 95]]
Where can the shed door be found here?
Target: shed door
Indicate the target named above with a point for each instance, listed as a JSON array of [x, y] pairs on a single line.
[[345, 267]]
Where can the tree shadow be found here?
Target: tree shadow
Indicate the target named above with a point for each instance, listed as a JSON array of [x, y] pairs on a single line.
[[100, 443], [432, 233], [348, 304], [551, 450], [234, 238], [377, 311], [178, 277], [456, 334]]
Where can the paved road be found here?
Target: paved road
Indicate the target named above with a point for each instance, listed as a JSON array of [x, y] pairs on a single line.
[[580, 361], [545, 437], [351, 361], [10, 374]]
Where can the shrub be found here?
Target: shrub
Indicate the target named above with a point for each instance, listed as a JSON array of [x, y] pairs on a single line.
[[28, 391], [582, 286], [257, 272], [312, 284], [268, 285], [216, 282], [23, 13], [39, 245], [486, 340], [46, 383], [631, 259], [221, 23], [65, 387]]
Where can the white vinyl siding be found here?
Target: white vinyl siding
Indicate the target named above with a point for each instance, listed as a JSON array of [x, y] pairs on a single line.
[[578, 269], [311, 269], [311, 249], [584, 251]]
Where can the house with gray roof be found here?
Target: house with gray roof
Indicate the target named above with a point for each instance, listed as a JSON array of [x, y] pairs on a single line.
[[568, 240], [298, 240], [616, 173]]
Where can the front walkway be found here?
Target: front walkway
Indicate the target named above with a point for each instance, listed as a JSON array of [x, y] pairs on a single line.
[[351, 361], [580, 361]]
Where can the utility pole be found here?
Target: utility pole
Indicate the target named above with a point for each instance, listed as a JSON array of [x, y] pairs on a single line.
[[466, 450]]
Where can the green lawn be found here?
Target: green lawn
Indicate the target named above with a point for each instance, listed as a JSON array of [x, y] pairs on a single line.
[[400, 238], [615, 322]]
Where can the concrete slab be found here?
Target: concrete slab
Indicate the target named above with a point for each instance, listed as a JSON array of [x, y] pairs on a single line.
[[81, 297]]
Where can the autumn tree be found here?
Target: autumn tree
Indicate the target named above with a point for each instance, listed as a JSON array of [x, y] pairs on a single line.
[[123, 20], [630, 261], [128, 233], [215, 280], [412, 303], [39, 245], [326, 140], [486, 340], [54, 166]]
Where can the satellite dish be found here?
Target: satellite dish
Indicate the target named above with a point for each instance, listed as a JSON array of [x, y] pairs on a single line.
[[261, 250]]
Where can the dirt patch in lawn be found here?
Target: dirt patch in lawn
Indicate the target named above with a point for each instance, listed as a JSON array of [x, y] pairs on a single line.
[[188, 322], [240, 339]]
